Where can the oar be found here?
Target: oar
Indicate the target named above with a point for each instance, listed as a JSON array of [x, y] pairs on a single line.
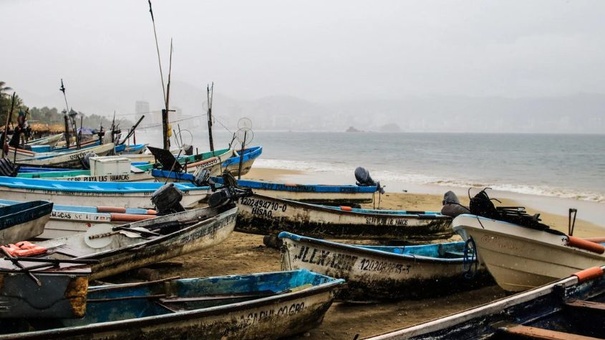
[[98, 236], [18, 264]]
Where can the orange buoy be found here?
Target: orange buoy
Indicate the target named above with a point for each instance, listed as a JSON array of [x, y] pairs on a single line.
[[589, 273], [581, 243], [111, 209], [130, 217], [345, 208]]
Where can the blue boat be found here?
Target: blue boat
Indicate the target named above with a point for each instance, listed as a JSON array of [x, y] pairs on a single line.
[[569, 308], [20, 221], [236, 165], [124, 194], [384, 273], [253, 306]]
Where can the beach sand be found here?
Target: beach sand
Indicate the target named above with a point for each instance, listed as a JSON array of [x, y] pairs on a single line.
[[244, 253]]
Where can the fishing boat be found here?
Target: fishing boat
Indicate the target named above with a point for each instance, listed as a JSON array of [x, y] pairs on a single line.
[[48, 140], [215, 167], [137, 244], [521, 257], [264, 215], [328, 194], [569, 308], [383, 273], [242, 160], [267, 305], [67, 159], [123, 194], [69, 219], [186, 168], [44, 289], [21, 221]]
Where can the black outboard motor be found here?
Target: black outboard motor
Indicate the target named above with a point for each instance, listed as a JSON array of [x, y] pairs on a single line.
[[187, 149], [201, 177], [363, 179], [228, 193], [85, 161], [167, 199], [451, 205]]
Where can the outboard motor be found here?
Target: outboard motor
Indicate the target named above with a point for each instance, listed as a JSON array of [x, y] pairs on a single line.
[[201, 177], [228, 193], [187, 149], [85, 161], [451, 205], [167, 199], [363, 179]]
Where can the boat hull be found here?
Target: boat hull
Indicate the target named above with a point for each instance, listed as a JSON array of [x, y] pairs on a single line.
[[124, 194], [521, 258], [24, 220], [570, 308], [125, 253], [266, 215], [386, 273], [299, 306]]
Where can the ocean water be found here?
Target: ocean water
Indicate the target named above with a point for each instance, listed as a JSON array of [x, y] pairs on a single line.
[[564, 166]]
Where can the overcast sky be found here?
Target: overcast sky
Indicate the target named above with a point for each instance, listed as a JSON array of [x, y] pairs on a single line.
[[320, 50]]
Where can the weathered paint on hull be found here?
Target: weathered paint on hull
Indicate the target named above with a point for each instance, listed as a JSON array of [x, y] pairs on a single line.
[[60, 295], [521, 258], [23, 221], [373, 275], [272, 317], [545, 309], [265, 215], [123, 199], [71, 160], [126, 253]]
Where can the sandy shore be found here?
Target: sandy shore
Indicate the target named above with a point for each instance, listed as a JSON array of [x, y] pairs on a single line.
[[553, 211], [244, 253]]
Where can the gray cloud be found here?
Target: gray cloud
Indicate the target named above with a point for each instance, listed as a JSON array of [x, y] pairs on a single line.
[[317, 50]]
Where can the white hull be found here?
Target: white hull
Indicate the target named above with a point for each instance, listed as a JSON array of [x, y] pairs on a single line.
[[125, 199], [521, 258]]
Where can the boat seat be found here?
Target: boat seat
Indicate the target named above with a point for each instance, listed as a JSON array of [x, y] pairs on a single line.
[[454, 254], [515, 330], [596, 309]]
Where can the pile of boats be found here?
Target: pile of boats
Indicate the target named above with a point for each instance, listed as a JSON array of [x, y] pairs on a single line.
[[333, 248]]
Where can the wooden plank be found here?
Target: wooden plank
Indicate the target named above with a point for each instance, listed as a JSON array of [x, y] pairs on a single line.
[[540, 333], [583, 304]]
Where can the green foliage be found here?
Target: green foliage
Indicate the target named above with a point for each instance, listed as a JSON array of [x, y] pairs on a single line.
[[51, 116]]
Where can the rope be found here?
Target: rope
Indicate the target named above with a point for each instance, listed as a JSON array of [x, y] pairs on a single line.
[[469, 262]]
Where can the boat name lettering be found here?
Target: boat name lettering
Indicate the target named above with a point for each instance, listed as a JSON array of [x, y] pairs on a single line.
[[383, 267], [499, 242], [325, 258], [107, 178], [374, 220], [286, 310], [60, 214], [259, 203]]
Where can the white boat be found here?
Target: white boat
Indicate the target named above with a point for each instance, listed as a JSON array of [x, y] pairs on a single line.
[[67, 159], [123, 194], [520, 258]]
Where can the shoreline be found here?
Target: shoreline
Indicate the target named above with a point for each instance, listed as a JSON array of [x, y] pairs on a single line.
[[554, 211]]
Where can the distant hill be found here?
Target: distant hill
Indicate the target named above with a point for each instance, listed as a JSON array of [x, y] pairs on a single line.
[[580, 113]]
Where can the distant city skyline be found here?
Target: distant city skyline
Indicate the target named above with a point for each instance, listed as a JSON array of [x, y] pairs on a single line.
[[322, 53]]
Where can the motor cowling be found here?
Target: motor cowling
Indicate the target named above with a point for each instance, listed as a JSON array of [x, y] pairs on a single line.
[[364, 179], [167, 199]]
